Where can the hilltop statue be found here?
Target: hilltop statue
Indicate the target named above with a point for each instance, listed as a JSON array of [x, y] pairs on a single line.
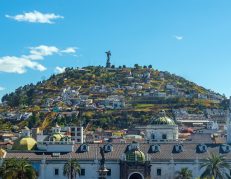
[[108, 64]]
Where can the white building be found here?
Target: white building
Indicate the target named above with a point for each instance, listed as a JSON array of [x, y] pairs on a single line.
[[162, 129]]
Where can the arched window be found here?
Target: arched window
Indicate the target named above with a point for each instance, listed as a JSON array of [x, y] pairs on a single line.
[[203, 147], [156, 147], [152, 136], [84, 147], [227, 147], [174, 136], [164, 136], [179, 147], [108, 147]]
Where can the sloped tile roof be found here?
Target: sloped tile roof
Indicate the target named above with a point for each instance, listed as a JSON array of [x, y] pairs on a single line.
[[189, 152]]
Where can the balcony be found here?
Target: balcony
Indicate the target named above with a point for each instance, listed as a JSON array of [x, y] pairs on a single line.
[[56, 143]]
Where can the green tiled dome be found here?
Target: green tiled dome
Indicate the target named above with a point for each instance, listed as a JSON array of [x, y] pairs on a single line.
[[162, 119], [130, 155], [24, 143]]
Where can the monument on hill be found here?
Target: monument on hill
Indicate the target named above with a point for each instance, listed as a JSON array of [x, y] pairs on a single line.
[[108, 64]]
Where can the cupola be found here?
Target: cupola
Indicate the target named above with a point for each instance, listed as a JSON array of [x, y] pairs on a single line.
[[56, 129]]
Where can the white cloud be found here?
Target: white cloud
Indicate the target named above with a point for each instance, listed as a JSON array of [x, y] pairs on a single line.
[[1, 88], [18, 64], [59, 70], [81, 55], [76, 55], [177, 37], [70, 50], [12, 64], [35, 17]]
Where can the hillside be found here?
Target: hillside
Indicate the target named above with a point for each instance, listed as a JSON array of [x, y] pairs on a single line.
[[113, 98]]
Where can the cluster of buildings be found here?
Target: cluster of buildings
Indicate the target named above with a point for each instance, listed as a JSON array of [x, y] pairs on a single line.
[[214, 112], [155, 150]]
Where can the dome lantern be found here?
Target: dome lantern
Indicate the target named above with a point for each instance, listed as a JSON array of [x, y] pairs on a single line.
[[56, 129]]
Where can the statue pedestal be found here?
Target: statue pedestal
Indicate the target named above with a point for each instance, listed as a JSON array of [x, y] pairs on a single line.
[[108, 65], [102, 172]]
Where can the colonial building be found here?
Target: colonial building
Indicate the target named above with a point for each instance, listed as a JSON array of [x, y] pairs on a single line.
[[159, 157]]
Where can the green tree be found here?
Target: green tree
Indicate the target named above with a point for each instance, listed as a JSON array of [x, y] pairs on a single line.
[[215, 167], [113, 66], [136, 66], [21, 169], [120, 67], [30, 96], [149, 66], [145, 66], [124, 66], [184, 173], [71, 169]]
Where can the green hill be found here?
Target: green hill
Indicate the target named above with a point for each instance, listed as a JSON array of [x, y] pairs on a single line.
[[141, 104]]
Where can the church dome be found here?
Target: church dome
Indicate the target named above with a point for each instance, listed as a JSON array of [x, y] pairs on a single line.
[[24, 143], [162, 119], [57, 136], [130, 155]]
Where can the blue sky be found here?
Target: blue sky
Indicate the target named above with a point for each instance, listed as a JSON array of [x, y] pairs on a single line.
[[189, 38]]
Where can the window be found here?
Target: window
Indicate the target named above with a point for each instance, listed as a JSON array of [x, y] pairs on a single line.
[[72, 134], [78, 134], [179, 147], [109, 172], [72, 129], [78, 129], [164, 136], [108, 147], [156, 147], [78, 140], [82, 172], [203, 147], [174, 136], [158, 172], [84, 147], [56, 171], [227, 147], [153, 136]]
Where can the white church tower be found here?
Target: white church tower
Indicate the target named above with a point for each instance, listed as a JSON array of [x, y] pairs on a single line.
[[228, 124]]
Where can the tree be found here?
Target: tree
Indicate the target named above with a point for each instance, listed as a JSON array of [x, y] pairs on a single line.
[[124, 66], [113, 66], [30, 96], [215, 167], [136, 66], [71, 169], [183, 174], [120, 67], [149, 66], [60, 82], [145, 66], [20, 169]]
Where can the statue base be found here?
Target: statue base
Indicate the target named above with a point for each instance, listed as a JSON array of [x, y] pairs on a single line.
[[102, 172], [108, 65]]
